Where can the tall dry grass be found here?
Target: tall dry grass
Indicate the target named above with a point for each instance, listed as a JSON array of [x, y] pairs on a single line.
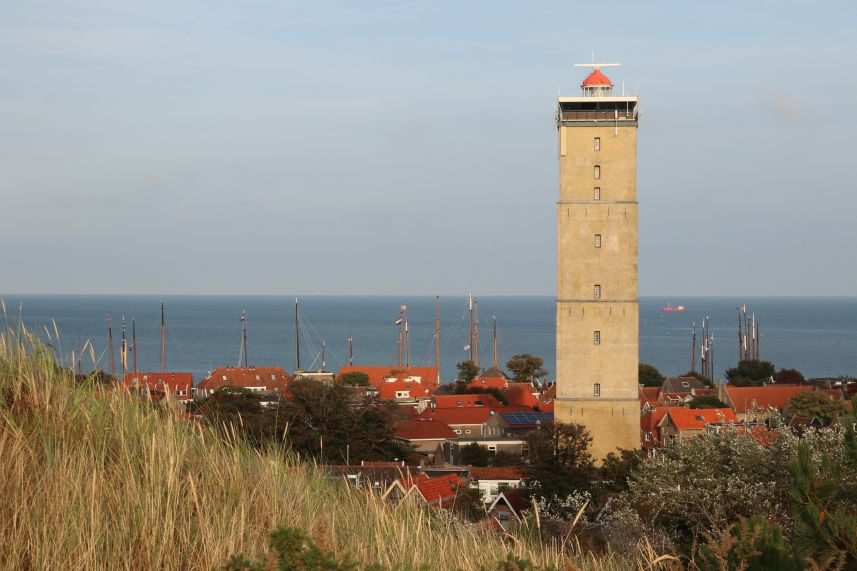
[[90, 479]]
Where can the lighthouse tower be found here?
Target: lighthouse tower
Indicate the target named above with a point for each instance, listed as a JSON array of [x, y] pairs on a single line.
[[597, 313]]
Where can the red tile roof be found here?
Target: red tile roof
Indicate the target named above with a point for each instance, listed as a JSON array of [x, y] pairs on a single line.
[[466, 415], [440, 491], [492, 473], [697, 418], [489, 383], [458, 401], [522, 394], [742, 398], [179, 385], [388, 390], [377, 375], [272, 378], [416, 429]]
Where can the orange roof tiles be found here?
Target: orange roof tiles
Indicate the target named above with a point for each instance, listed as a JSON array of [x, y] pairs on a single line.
[[489, 383], [423, 429], [392, 390], [179, 385], [378, 375], [468, 400], [742, 398], [466, 415], [272, 378], [697, 418]]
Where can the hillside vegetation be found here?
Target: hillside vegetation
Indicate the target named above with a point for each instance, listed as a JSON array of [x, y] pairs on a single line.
[[91, 479]]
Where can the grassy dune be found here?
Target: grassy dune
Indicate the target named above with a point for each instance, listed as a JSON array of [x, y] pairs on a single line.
[[89, 479]]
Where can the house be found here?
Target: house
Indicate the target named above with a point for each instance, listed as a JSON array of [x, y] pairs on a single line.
[[747, 402], [519, 394], [424, 434], [157, 385], [681, 423], [256, 379], [506, 511], [450, 451], [439, 492], [471, 421], [681, 390], [406, 385], [491, 481], [467, 400], [518, 423], [650, 432], [375, 476]]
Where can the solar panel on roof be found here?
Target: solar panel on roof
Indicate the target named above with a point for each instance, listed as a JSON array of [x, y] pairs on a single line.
[[527, 417]]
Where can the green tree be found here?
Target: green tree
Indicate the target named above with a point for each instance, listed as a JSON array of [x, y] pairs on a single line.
[[789, 377], [355, 379], [559, 461], [649, 376], [236, 408], [526, 368], [467, 371], [332, 424], [475, 455], [823, 531], [752, 371], [816, 404], [707, 401]]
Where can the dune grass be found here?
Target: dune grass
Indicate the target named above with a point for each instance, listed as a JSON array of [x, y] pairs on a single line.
[[90, 479]]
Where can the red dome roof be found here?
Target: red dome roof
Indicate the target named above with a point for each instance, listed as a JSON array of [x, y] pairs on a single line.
[[597, 78]]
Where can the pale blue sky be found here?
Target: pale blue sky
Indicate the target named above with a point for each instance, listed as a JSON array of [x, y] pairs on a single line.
[[409, 147]]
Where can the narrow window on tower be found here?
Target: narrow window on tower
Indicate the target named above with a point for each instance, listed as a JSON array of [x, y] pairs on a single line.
[[597, 172], [598, 240], [597, 291], [597, 193], [598, 389], [597, 338], [597, 144]]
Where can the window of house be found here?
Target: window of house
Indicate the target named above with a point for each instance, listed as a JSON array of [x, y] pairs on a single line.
[[224, 377], [466, 432], [273, 377], [597, 172], [597, 338], [598, 389], [597, 291], [597, 193], [492, 449], [457, 431], [597, 144], [598, 240]]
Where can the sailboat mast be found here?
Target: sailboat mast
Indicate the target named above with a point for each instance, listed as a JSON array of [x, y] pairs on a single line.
[[494, 352], [244, 338], [693, 349], [323, 357], [297, 338], [476, 333], [350, 351], [407, 342], [110, 345], [123, 351], [437, 335], [470, 326], [134, 343], [163, 340]]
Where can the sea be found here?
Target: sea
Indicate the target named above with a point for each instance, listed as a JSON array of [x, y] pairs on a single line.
[[817, 336]]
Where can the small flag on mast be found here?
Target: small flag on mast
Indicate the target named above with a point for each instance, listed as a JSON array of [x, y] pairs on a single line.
[[398, 320]]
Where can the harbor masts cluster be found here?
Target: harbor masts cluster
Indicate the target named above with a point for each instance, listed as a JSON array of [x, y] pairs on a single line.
[[706, 350], [748, 335]]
